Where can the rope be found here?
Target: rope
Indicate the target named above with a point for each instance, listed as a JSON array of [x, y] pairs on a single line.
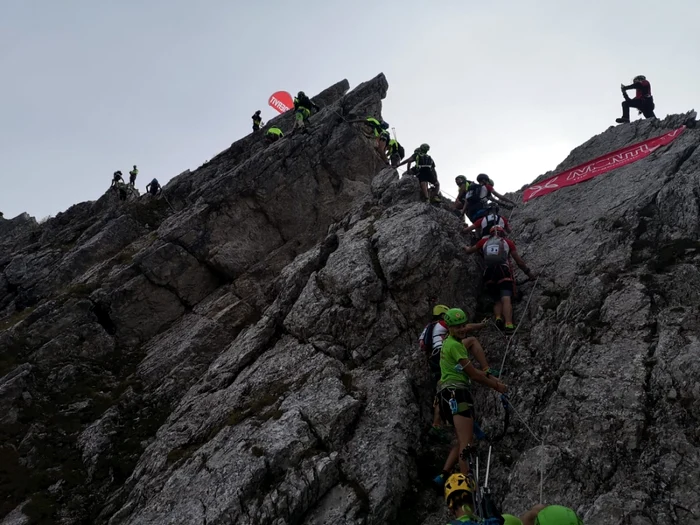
[[542, 464], [519, 323]]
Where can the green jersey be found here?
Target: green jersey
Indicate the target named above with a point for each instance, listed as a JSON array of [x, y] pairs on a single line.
[[452, 351]]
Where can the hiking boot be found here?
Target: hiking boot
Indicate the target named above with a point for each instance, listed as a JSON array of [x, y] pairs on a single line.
[[622, 120], [510, 328], [500, 324], [436, 200]]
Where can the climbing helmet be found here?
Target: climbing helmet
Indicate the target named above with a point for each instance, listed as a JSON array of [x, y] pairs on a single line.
[[456, 483], [440, 309], [455, 317]]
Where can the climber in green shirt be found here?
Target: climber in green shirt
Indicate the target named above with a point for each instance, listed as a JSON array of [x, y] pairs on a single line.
[[454, 398], [396, 153], [273, 134]]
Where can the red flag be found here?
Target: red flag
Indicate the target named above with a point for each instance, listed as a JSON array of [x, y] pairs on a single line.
[[604, 164], [281, 101]]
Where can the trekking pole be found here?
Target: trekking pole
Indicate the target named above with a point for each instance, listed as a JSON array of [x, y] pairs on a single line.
[[488, 469], [393, 130]]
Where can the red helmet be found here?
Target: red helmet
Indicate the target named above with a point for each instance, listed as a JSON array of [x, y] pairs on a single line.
[[498, 230]]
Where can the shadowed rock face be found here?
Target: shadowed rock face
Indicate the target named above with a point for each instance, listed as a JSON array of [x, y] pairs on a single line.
[[246, 352]]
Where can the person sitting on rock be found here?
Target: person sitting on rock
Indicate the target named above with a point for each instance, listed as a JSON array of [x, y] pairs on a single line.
[[498, 276], [483, 226], [643, 99], [302, 111], [478, 195], [257, 120], [273, 135], [454, 398], [132, 176], [116, 178], [425, 170], [550, 515], [396, 153], [153, 187]]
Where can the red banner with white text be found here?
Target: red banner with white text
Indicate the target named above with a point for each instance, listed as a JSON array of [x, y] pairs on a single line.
[[604, 164]]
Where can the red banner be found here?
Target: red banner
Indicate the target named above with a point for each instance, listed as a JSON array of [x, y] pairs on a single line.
[[281, 101], [604, 164]]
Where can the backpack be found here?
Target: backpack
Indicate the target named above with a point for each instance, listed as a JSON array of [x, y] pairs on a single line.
[[424, 161], [495, 251], [401, 151], [474, 194], [492, 219], [428, 338]]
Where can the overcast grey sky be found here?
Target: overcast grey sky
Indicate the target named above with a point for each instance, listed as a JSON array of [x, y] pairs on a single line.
[[505, 87]]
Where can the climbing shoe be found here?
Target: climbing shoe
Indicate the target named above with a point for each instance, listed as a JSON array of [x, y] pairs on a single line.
[[436, 200], [622, 120], [495, 372], [439, 480], [500, 324]]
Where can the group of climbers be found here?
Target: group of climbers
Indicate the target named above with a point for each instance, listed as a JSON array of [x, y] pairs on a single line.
[[303, 107], [123, 189]]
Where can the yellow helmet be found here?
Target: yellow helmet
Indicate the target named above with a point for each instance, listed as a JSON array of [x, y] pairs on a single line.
[[440, 309], [456, 483]]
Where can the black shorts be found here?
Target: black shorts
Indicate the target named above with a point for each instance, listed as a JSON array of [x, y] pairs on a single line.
[[465, 403], [427, 175], [435, 374], [499, 281]]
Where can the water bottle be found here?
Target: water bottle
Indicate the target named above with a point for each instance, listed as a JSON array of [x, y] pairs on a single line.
[[453, 406]]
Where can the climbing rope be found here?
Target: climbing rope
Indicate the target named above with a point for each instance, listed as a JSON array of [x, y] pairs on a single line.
[[527, 304]]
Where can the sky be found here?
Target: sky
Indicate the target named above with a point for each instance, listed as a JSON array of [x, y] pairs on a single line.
[[506, 87]]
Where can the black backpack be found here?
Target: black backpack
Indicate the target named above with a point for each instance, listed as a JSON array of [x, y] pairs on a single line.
[[474, 194], [433, 357], [424, 161], [401, 151], [492, 219]]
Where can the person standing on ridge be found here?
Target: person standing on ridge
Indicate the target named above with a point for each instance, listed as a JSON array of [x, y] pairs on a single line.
[[478, 195], [454, 398], [396, 153], [153, 187], [643, 100], [302, 111], [132, 176], [273, 135], [116, 178], [498, 275], [257, 121], [425, 169]]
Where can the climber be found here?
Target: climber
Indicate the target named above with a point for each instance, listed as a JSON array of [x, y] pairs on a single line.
[[430, 342], [492, 218], [257, 120], [380, 131], [478, 195], [643, 99], [132, 176], [122, 189], [459, 497], [498, 275], [396, 153], [462, 186], [302, 111], [116, 178], [425, 169], [153, 187], [273, 135], [454, 398], [550, 515]]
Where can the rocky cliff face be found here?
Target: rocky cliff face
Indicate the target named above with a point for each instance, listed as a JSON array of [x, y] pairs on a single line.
[[245, 352]]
